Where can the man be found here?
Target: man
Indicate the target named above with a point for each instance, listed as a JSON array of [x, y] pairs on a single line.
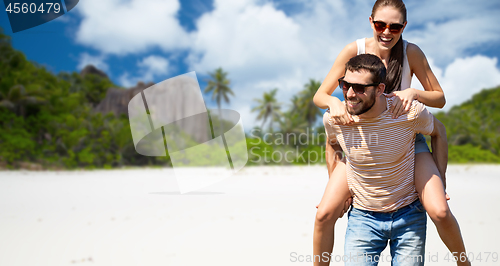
[[380, 168]]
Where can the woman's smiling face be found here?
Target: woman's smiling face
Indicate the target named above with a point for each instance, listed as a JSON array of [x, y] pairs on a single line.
[[389, 15]]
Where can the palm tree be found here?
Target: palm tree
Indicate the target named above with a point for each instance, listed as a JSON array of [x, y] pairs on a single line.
[[292, 124], [295, 108], [306, 105], [268, 108], [218, 85]]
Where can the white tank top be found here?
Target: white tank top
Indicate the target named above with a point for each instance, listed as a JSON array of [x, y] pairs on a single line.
[[406, 75]]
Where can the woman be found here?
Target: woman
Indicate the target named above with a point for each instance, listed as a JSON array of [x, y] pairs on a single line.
[[402, 59]]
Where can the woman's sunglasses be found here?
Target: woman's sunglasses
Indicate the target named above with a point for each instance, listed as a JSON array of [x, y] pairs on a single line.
[[395, 28], [357, 88]]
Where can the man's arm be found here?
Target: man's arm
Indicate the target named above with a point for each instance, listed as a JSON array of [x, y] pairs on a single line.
[[439, 145]]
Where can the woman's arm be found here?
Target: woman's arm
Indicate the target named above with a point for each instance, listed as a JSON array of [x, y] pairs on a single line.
[[433, 95], [323, 98]]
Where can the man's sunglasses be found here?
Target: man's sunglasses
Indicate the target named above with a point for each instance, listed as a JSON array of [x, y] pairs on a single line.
[[395, 28], [357, 88]]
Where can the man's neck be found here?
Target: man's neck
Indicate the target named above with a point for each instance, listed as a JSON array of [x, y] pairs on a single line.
[[378, 108]]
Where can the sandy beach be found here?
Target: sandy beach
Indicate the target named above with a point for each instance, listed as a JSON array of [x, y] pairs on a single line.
[[260, 216]]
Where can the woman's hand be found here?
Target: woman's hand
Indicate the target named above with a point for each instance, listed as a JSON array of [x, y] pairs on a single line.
[[338, 113], [402, 101], [348, 203]]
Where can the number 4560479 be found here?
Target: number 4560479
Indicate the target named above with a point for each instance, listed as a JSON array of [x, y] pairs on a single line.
[[480, 256], [33, 8]]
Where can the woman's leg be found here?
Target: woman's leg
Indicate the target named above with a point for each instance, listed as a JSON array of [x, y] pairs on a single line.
[[433, 196], [329, 210]]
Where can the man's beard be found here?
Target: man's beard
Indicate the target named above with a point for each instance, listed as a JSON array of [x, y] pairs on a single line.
[[366, 106]]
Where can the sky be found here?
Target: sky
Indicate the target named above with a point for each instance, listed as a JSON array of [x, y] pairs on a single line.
[[262, 44]]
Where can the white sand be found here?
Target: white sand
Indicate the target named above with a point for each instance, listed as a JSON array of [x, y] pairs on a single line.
[[259, 217]]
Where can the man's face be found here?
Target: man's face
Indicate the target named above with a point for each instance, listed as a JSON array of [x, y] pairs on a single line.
[[359, 103]]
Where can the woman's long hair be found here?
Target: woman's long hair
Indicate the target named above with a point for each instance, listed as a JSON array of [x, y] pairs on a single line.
[[395, 64]]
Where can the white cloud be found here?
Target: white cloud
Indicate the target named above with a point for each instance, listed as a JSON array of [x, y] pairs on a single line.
[[154, 65], [246, 39], [122, 27], [97, 61], [464, 78], [149, 68], [262, 48], [126, 81]]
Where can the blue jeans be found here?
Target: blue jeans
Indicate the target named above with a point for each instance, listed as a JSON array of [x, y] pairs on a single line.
[[368, 233], [420, 144]]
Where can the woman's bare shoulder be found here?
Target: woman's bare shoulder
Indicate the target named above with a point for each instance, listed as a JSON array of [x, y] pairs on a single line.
[[412, 50], [351, 49]]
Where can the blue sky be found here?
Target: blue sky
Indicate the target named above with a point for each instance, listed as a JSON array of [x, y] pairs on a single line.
[[263, 44]]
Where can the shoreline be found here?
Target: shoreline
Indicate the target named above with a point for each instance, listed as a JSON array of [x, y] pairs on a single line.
[[124, 168]]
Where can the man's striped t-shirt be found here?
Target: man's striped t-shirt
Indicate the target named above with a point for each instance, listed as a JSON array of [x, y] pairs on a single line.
[[380, 156]]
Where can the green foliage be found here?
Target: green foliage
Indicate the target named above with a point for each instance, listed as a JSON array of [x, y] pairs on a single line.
[[49, 119], [15, 141], [469, 154], [278, 148], [91, 87], [474, 125]]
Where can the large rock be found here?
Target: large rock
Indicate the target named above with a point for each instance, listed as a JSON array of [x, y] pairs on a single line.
[[117, 100], [176, 102], [90, 69]]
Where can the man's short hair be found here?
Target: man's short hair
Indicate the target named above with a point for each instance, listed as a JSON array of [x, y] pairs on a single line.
[[370, 63]]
